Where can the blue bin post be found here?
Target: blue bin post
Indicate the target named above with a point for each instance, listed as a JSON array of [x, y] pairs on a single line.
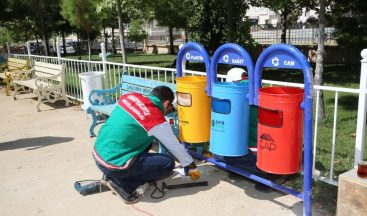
[[289, 57], [195, 52], [229, 134]]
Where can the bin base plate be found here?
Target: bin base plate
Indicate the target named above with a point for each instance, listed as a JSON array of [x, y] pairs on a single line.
[[248, 163]]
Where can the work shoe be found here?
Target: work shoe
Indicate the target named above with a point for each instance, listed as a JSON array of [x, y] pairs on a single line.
[[125, 196], [142, 188]]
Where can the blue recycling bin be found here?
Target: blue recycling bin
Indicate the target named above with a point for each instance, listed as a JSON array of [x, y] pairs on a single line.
[[230, 108]]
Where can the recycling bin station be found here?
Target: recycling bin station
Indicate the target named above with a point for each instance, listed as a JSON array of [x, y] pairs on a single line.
[[229, 134], [193, 101], [274, 114]]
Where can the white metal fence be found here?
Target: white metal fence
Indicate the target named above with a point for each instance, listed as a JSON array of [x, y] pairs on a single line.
[[114, 71]]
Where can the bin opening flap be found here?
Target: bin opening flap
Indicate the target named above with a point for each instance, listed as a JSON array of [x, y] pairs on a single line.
[[271, 118], [222, 106], [184, 99]]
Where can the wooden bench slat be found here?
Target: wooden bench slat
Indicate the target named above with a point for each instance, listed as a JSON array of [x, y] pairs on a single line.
[[16, 64], [17, 61], [47, 70], [43, 74], [48, 65]]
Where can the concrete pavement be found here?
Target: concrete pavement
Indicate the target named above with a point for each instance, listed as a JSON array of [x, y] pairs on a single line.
[[43, 153]]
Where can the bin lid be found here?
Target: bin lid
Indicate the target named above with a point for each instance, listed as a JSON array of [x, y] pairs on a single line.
[[86, 75], [191, 79]]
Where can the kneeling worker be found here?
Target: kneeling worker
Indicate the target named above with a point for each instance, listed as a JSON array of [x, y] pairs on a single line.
[[122, 147]]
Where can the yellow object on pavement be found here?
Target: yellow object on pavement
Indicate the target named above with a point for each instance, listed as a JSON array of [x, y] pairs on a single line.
[[194, 174]]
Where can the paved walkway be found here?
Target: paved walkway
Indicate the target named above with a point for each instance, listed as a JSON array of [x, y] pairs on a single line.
[[43, 153]]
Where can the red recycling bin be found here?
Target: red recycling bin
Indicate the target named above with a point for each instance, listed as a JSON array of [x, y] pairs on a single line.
[[280, 130]]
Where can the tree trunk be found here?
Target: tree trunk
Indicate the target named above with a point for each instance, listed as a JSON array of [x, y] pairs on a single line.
[[284, 17], [171, 47], [230, 21], [78, 43], [113, 45], [89, 52], [105, 37], [46, 44], [121, 31], [38, 45], [318, 80], [186, 36], [63, 41], [55, 47]]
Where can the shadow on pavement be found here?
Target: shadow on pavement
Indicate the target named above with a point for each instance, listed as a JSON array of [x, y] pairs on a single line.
[[33, 143]]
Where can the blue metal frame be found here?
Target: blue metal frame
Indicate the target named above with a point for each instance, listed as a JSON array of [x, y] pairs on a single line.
[[194, 52], [276, 56], [287, 56], [233, 54]]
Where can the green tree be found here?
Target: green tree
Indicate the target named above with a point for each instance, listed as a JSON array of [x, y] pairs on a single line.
[[136, 31], [349, 18], [16, 15], [83, 15], [5, 36], [44, 14], [63, 27], [215, 22], [127, 10], [108, 17], [171, 13]]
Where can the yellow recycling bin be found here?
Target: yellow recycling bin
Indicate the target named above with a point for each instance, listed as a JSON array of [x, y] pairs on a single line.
[[193, 105]]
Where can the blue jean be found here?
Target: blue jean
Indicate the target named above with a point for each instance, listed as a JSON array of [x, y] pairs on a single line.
[[147, 167]]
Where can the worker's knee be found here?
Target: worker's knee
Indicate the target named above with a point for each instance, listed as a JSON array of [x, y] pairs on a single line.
[[170, 163]]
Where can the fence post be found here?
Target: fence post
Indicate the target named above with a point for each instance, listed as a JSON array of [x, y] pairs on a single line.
[[29, 53], [58, 52], [184, 62], [104, 66], [361, 117], [7, 46]]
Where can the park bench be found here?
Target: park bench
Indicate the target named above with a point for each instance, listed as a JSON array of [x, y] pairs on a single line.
[[14, 69], [104, 101], [48, 83]]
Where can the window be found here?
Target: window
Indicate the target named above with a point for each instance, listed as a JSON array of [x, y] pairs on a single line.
[[271, 118], [184, 99], [222, 106]]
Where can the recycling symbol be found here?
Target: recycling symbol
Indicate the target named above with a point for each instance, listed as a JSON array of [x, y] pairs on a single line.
[[188, 56], [275, 61], [226, 58]]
